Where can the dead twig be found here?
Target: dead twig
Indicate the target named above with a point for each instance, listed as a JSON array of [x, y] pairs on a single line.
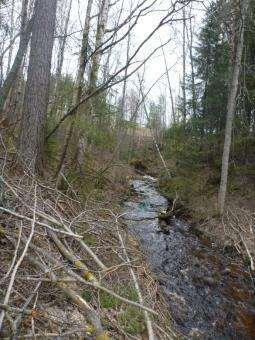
[[16, 267], [136, 285], [22, 217]]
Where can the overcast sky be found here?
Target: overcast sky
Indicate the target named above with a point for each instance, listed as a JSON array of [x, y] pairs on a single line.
[[155, 67]]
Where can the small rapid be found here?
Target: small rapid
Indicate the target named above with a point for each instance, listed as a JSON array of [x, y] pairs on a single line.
[[210, 294]]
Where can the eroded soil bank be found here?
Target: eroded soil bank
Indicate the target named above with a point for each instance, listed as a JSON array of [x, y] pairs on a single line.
[[210, 292]]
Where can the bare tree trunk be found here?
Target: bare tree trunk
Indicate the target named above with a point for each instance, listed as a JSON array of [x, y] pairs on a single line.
[[37, 86], [62, 43], [184, 109], [93, 77], [231, 107], [101, 25], [14, 102], [11, 37], [83, 54], [79, 82], [121, 115], [55, 109], [24, 40], [190, 46], [169, 84], [124, 89]]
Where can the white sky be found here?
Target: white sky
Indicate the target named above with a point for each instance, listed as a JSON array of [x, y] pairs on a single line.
[[155, 67]]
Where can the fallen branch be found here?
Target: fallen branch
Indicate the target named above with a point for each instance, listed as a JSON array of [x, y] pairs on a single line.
[[22, 217], [18, 321], [11, 309], [110, 292], [90, 313], [18, 263], [51, 258], [136, 284], [88, 276], [51, 219], [81, 242], [248, 253]]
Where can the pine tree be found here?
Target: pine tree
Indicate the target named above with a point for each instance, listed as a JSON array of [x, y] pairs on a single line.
[[212, 71], [38, 85]]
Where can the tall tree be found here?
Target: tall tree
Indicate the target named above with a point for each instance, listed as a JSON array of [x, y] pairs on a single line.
[[101, 26], [63, 39], [169, 84], [190, 39], [11, 35], [184, 109], [240, 11], [93, 77], [212, 64], [25, 32], [37, 85], [83, 58]]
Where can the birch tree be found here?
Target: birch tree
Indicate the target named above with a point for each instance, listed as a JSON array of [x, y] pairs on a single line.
[[240, 9], [93, 77], [190, 42], [62, 41], [83, 58], [169, 84], [11, 35], [184, 109], [25, 32], [96, 58]]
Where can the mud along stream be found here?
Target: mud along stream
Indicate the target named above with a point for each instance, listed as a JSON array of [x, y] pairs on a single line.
[[210, 295]]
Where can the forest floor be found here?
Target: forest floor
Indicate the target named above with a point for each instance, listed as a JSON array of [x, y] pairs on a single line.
[[55, 284]]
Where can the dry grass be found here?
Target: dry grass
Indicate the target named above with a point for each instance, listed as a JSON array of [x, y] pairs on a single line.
[[236, 228]]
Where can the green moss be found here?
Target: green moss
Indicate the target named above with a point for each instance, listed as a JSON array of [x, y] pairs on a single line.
[[183, 186], [123, 289], [108, 301], [90, 239], [247, 261], [87, 295], [132, 320]]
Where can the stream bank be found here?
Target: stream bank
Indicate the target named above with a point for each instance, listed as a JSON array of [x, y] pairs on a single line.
[[210, 293]]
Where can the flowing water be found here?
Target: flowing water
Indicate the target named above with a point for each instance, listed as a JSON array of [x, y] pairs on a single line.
[[210, 294]]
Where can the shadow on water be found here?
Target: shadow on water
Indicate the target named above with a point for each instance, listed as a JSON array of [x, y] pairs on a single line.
[[210, 295]]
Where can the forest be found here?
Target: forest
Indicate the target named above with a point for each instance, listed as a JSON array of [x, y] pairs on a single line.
[[127, 169]]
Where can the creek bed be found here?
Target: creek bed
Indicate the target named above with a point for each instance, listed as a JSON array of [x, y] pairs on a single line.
[[210, 295]]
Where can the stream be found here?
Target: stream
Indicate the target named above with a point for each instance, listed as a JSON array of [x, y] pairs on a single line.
[[210, 293]]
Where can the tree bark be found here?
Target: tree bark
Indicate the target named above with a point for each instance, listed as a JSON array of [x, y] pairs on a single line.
[[184, 109], [169, 84], [23, 44], [37, 86], [231, 107], [11, 36], [83, 54], [93, 79], [190, 47], [101, 25], [79, 82], [62, 44]]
